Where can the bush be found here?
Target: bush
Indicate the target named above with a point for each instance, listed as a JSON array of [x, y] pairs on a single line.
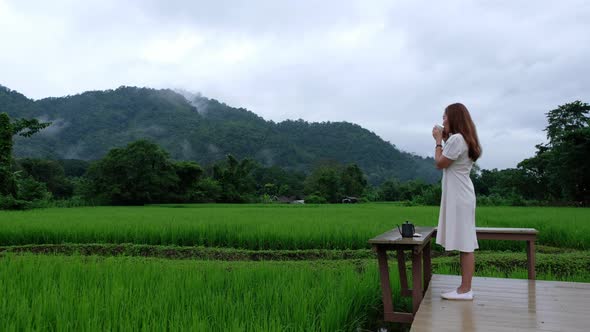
[[29, 194], [208, 190], [418, 200], [491, 200], [74, 201], [8, 202], [370, 195], [265, 199], [31, 190], [364, 200], [509, 200], [49, 172], [315, 199], [432, 195], [389, 191], [408, 203]]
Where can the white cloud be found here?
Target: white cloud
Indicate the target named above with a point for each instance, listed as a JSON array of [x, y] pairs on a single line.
[[172, 49], [391, 67]]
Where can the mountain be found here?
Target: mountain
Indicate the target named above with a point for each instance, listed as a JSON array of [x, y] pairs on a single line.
[[192, 127]]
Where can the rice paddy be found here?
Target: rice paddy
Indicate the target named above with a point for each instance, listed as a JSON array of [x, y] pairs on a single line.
[[242, 267], [259, 227]]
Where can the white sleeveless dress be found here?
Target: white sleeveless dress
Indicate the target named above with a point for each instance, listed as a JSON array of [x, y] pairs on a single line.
[[456, 221]]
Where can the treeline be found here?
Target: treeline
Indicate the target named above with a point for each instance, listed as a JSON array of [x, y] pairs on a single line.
[[144, 173], [559, 173]]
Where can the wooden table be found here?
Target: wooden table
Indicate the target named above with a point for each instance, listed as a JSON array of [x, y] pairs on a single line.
[[420, 247]]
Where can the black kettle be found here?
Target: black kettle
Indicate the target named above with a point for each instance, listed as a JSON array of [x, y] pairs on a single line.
[[407, 229]]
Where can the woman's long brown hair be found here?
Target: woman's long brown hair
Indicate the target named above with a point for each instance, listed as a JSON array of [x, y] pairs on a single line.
[[460, 122]]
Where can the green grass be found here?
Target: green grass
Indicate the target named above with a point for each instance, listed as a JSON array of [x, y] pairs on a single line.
[[335, 286], [258, 227], [561, 262], [77, 293], [517, 273], [81, 293]]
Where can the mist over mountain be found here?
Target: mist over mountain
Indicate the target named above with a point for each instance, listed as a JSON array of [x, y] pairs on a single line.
[[192, 127]]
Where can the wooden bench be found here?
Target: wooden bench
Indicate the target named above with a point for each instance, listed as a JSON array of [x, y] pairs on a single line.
[[512, 234]]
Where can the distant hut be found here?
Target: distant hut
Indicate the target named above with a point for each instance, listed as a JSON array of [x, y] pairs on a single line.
[[350, 200], [285, 199]]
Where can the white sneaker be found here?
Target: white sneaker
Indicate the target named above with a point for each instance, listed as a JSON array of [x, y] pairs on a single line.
[[453, 295]]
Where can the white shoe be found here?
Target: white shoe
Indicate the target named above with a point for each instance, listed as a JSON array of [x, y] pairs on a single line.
[[453, 295]]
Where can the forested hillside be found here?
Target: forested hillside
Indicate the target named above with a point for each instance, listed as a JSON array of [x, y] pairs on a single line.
[[86, 126]]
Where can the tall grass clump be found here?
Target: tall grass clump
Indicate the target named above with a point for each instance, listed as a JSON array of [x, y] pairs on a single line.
[[77, 293]]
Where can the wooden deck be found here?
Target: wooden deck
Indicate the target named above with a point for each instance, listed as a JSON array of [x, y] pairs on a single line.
[[505, 305]]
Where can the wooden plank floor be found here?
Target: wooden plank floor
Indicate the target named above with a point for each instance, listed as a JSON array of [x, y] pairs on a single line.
[[505, 305]]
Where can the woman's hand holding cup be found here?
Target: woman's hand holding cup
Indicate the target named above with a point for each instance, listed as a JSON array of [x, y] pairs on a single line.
[[437, 133]]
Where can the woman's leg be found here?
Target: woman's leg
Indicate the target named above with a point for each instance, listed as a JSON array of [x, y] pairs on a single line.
[[467, 269]]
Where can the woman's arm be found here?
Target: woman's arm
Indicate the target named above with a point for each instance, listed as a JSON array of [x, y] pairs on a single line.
[[440, 161]]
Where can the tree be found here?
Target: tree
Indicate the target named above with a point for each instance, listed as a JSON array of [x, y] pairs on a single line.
[[74, 167], [572, 165], [188, 174], [566, 119], [562, 165], [410, 189], [49, 172], [137, 174], [431, 195], [390, 191], [324, 182], [236, 180], [22, 127], [277, 181], [208, 190], [353, 181], [7, 181]]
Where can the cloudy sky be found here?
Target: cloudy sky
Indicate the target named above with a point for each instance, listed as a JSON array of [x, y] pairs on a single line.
[[390, 66]]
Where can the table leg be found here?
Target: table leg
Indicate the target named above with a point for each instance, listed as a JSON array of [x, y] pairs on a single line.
[[385, 284], [427, 266], [416, 280], [401, 265], [530, 253]]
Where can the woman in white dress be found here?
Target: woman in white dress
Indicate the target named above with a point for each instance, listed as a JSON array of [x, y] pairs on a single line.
[[456, 221]]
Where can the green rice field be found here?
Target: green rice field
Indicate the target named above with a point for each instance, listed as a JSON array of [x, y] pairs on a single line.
[[77, 293], [270, 226], [128, 294], [240, 267]]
